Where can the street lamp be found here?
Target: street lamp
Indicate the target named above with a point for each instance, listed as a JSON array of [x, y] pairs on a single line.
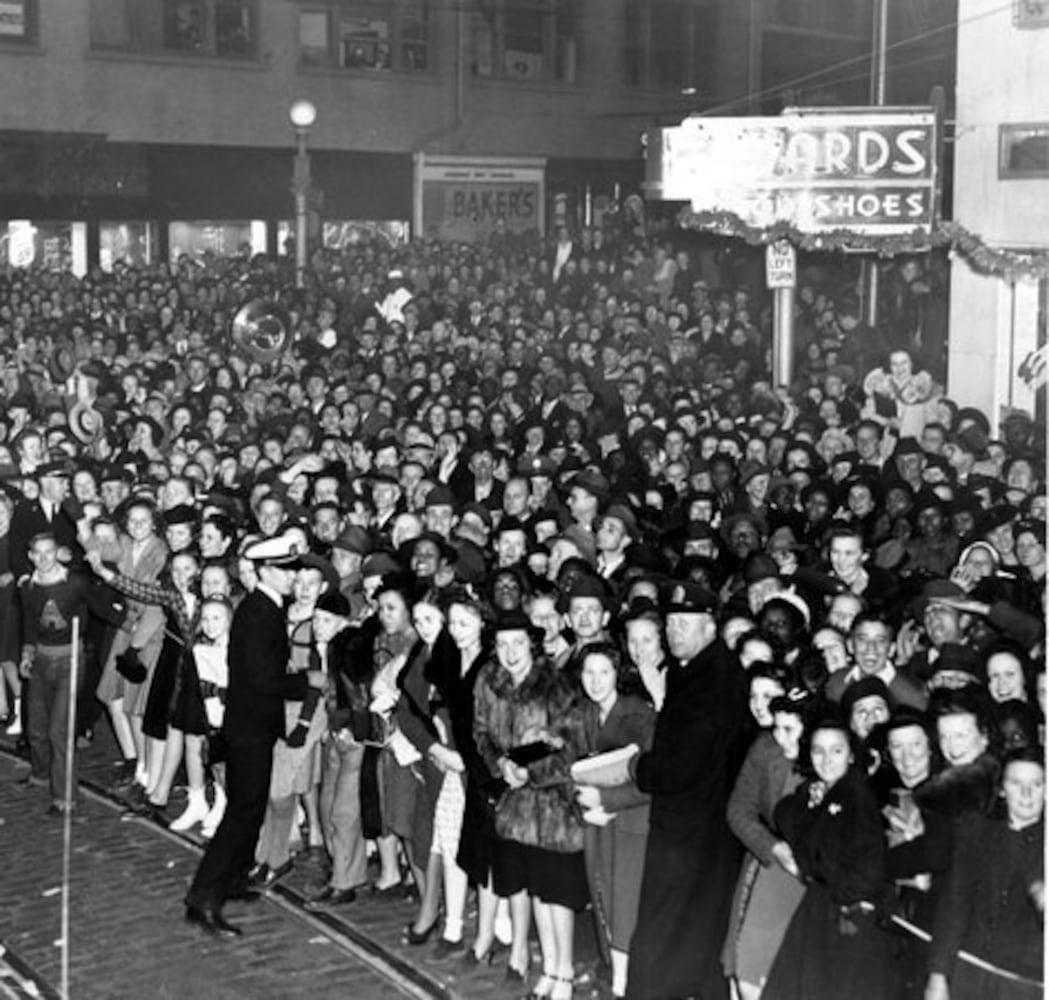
[[302, 116]]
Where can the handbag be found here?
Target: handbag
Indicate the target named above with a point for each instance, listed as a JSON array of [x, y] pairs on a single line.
[[130, 666]]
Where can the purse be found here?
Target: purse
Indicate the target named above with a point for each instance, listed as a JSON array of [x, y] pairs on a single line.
[[130, 666]]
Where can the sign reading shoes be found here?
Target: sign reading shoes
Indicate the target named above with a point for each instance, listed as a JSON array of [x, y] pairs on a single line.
[[868, 170]]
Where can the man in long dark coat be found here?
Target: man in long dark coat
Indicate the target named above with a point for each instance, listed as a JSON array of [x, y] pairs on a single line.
[[692, 858]]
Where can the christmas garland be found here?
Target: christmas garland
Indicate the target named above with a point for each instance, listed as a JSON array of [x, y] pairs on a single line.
[[1006, 264]]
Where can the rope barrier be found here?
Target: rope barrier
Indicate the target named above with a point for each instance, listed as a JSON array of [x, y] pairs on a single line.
[[968, 957]]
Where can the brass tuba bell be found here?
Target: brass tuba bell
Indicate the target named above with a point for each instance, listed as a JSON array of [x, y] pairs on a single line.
[[260, 328]]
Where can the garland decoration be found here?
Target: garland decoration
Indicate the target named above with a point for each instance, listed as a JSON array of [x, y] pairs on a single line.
[[1009, 265]]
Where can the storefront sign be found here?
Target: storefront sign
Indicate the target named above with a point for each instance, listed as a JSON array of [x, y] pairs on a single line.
[[869, 171], [468, 199]]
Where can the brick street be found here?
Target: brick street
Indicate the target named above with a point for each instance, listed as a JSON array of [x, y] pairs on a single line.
[[128, 936]]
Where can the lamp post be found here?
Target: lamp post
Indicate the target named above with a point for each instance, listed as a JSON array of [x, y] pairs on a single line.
[[302, 115]]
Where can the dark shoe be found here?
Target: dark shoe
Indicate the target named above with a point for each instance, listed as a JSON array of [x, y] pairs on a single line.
[[126, 775], [515, 976], [274, 875], [342, 896], [495, 951], [258, 875], [445, 949], [31, 781], [395, 891], [330, 897], [211, 921], [55, 811], [245, 896], [156, 812], [421, 937]]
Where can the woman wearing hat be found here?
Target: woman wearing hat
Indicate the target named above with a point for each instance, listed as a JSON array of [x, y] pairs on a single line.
[[528, 730]]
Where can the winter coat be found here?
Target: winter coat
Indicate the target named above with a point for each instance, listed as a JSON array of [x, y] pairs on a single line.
[[542, 813], [990, 912], [692, 858]]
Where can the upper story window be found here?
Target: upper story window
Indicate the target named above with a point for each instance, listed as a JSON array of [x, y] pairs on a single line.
[[394, 35], [831, 16], [671, 45], [18, 21], [525, 40], [222, 29]]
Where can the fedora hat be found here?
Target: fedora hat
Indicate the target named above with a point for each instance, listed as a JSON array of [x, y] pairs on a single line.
[[86, 424]]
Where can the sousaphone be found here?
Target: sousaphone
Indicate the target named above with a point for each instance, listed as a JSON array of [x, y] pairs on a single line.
[[260, 329]]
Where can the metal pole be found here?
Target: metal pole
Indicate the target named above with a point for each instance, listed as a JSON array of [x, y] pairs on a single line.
[[783, 336], [878, 75], [300, 188], [67, 794]]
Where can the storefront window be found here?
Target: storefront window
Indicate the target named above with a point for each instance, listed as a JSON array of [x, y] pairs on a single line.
[[206, 238], [24, 243], [134, 243], [340, 234]]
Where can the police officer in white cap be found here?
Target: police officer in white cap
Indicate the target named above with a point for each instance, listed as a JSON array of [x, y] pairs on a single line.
[[254, 720]]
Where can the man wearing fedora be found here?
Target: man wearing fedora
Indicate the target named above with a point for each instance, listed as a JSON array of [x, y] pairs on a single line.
[[254, 721]]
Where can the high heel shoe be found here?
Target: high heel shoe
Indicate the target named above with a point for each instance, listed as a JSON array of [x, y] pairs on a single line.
[[471, 960], [421, 937]]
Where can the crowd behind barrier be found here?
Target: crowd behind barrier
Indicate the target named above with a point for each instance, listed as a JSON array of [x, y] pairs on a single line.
[[506, 568]]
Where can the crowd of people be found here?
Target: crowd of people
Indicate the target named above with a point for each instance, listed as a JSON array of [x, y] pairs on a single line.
[[506, 569]]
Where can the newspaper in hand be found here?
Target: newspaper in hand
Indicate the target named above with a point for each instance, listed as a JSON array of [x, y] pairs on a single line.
[[605, 770]]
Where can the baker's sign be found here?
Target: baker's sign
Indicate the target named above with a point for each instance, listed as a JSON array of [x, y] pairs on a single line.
[[868, 170]]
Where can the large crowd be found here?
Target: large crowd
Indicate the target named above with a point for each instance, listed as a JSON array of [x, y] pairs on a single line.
[[506, 569]]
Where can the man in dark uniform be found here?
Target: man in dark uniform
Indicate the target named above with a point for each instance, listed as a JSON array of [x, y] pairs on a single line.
[[47, 514], [692, 858], [258, 686]]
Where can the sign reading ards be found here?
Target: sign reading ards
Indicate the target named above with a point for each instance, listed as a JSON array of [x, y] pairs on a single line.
[[867, 170]]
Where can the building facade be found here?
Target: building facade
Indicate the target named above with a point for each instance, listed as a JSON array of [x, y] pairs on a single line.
[[141, 128], [1001, 174]]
